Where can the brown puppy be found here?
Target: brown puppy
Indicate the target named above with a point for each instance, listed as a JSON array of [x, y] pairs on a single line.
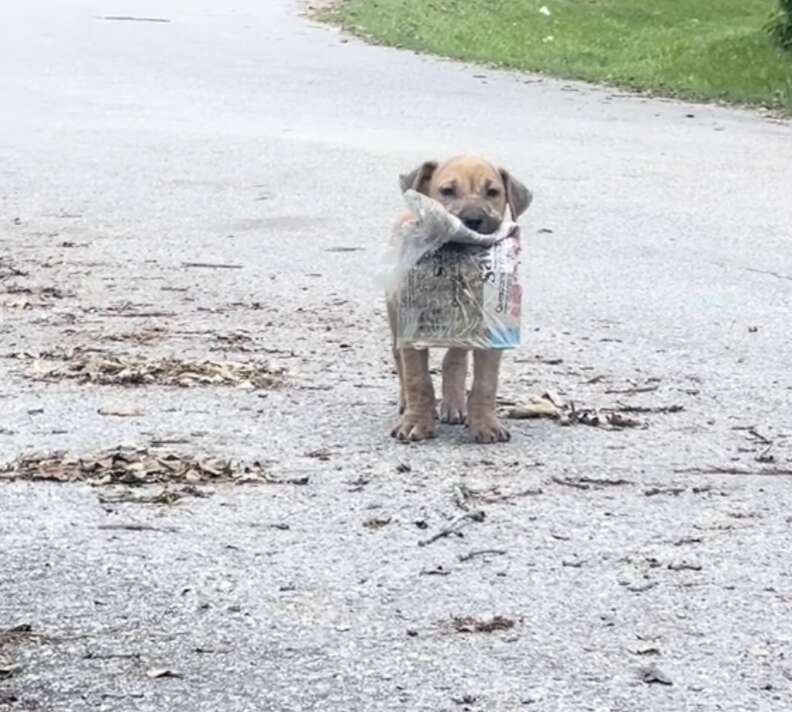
[[479, 194]]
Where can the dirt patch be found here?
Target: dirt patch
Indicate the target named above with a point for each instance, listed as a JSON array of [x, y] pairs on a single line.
[[107, 369], [309, 8]]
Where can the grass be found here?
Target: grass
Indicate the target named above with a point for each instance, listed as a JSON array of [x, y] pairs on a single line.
[[713, 50]]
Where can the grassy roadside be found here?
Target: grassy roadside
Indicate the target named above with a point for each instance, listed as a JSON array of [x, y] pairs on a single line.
[[700, 49]]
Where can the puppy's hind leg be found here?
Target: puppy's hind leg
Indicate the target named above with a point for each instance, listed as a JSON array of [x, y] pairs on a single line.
[[453, 406]]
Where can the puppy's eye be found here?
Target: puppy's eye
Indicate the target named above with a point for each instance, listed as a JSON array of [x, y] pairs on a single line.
[[493, 192], [448, 191]]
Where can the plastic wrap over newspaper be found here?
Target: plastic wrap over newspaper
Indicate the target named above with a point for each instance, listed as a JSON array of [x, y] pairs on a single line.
[[456, 287]]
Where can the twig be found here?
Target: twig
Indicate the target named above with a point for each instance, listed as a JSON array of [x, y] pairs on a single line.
[[641, 587], [131, 19], [454, 527], [570, 483], [211, 265], [133, 314], [481, 552], [495, 499], [630, 391], [652, 491], [110, 656], [603, 481], [135, 527], [712, 470], [777, 275], [662, 410], [753, 432], [304, 480]]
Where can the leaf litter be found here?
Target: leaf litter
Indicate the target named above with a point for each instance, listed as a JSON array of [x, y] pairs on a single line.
[[17, 634], [42, 292], [550, 405], [104, 368], [139, 466], [10, 638]]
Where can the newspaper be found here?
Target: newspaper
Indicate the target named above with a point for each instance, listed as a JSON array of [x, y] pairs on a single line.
[[454, 287]]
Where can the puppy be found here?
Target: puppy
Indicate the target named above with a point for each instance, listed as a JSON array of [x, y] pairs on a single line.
[[479, 194]]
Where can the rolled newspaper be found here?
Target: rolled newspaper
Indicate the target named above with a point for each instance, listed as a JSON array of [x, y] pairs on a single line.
[[455, 287]]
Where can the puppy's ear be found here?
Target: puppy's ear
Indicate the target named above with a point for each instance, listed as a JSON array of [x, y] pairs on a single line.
[[517, 195], [419, 178]]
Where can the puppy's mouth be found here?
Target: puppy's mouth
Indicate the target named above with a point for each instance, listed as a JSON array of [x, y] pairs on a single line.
[[474, 216], [480, 222]]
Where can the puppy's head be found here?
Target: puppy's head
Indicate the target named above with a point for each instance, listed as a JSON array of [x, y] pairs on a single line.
[[471, 188]]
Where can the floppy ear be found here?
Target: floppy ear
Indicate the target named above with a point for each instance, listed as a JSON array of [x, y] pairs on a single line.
[[517, 195], [419, 178]]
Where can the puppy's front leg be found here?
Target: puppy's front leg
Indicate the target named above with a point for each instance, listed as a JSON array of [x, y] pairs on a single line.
[[393, 321], [484, 424], [417, 421], [452, 408]]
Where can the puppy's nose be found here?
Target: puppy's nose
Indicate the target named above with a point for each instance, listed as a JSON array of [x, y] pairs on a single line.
[[473, 217]]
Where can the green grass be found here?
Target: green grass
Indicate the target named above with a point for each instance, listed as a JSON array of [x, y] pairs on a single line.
[[715, 50]]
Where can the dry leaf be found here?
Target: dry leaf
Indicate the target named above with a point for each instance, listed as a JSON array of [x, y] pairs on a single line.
[[377, 523], [619, 420], [7, 670], [647, 650], [652, 674], [469, 624], [156, 673], [554, 398]]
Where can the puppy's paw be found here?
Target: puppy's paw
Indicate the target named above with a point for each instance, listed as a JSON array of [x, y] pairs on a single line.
[[489, 429], [453, 412], [413, 427]]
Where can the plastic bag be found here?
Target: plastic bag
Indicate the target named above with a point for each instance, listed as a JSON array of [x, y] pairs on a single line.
[[454, 287]]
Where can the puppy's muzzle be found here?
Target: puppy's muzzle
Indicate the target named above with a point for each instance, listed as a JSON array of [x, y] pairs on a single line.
[[479, 219]]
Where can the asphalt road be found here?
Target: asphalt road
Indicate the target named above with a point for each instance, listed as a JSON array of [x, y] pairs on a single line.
[[659, 263]]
